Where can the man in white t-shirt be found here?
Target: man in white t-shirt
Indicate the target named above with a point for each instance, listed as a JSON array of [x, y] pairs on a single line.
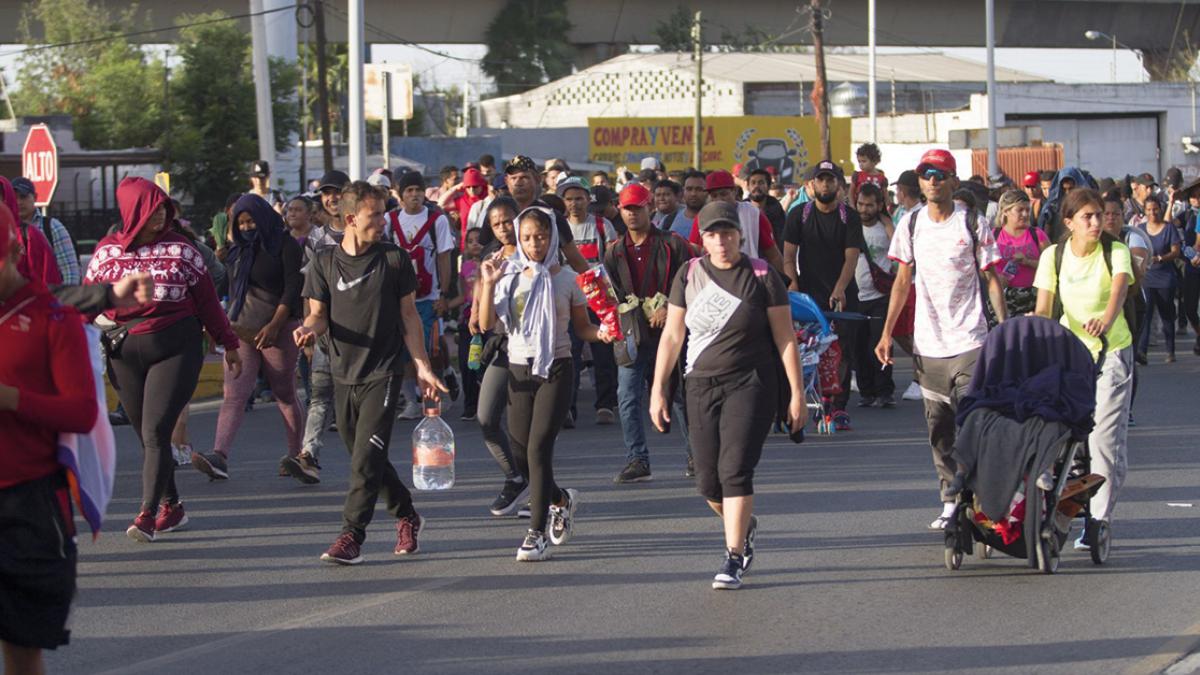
[[425, 233], [875, 385], [593, 232], [942, 255]]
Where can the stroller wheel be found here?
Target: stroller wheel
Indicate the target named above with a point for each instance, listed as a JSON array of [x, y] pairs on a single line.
[[983, 551], [1100, 537], [954, 558]]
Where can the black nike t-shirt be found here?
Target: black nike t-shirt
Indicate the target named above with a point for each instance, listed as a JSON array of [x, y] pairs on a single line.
[[362, 294], [728, 330]]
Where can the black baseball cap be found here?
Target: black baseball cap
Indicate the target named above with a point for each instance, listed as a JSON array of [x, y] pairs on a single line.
[[23, 186], [1146, 180], [909, 179], [1174, 177], [519, 164], [601, 197], [717, 214], [825, 166], [333, 179], [260, 169]]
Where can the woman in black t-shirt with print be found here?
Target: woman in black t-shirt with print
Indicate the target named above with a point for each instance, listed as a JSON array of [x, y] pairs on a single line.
[[723, 301]]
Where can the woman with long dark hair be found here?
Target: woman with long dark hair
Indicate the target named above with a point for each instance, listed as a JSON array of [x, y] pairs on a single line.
[[154, 349]]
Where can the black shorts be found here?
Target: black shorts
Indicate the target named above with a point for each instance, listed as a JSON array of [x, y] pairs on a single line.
[[37, 563]]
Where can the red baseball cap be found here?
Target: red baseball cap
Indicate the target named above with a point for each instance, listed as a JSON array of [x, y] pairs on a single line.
[[472, 178], [941, 160], [1031, 179], [719, 180], [634, 194]]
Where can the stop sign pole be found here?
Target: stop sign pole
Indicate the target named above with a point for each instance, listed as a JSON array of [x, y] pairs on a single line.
[[39, 163]]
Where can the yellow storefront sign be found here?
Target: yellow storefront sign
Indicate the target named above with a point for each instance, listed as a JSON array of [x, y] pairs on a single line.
[[788, 144]]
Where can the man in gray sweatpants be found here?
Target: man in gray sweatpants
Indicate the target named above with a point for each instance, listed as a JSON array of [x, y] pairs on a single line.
[[943, 251]]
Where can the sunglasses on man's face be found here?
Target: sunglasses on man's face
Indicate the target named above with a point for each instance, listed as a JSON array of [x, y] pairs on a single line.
[[936, 174]]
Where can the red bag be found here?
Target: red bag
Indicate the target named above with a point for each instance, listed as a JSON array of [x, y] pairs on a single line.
[[827, 370], [415, 250], [601, 299]]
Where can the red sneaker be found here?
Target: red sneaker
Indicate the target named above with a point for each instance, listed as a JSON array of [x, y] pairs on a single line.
[[142, 529], [345, 551], [407, 529], [170, 517]]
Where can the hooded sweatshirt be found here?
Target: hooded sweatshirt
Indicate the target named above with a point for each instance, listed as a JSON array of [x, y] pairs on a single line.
[[465, 200], [45, 357], [265, 257], [182, 287], [1050, 219], [38, 263]]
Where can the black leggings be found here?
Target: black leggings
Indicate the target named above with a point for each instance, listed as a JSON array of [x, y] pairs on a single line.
[[729, 418], [157, 374], [493, 400], [1162, 301], [1191, 298], [536, 409]]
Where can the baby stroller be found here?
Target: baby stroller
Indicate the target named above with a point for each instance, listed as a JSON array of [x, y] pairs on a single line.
[[1023, 464], [820, 356]]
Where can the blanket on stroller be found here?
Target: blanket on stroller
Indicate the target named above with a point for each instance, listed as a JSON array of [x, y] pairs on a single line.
[[995, 453]]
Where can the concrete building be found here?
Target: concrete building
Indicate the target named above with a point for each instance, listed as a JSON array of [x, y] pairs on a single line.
[[664, 85], [1108, 129]]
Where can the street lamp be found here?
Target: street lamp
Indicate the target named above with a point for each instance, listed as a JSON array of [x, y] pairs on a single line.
[[1096, 35]]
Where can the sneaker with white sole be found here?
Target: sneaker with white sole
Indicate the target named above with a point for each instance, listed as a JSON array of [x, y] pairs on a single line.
[[212, 465], [303, 468], [729, 577], [510, 499], [913, 393], [344, 551], [535, 548], [525, 511], [605, 416], [412, 411], [562, 518]]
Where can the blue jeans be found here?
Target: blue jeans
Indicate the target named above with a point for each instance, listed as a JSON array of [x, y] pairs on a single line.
[[633, 401]]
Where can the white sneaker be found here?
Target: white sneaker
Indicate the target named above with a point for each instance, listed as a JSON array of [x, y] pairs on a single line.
[[412, 411], [535, 548], [913, 393]]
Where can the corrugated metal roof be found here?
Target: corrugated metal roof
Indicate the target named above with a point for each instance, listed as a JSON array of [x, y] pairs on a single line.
[[787, 67]]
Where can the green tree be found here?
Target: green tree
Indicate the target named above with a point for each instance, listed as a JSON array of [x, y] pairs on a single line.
[[527, 45], [214, 131], [109, 86], [674, 33]]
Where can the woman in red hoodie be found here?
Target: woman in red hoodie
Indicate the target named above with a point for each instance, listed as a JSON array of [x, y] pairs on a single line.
[[157, 361], [36, 261], [46, 387]]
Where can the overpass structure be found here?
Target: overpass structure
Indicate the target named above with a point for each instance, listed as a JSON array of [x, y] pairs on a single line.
[[601, 28]]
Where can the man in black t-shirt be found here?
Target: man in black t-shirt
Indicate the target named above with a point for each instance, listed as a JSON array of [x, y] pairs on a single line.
[[362, 293], [822, 243]]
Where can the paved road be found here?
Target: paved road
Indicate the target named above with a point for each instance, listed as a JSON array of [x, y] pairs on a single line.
[[847, 579]]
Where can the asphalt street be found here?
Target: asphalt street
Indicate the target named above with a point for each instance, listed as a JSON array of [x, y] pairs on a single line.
[[847, 578]]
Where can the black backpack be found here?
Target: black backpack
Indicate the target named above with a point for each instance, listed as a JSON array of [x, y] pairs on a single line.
[[1129, 309]]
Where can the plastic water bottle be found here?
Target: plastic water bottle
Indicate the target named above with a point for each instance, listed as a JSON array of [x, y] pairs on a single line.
[[475, 352], [433, 452]]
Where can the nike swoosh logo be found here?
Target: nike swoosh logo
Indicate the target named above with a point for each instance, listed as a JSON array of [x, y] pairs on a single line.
[[343, 286]]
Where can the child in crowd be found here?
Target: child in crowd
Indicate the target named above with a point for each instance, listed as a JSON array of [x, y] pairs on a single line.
[[868, 156], [468, 274]]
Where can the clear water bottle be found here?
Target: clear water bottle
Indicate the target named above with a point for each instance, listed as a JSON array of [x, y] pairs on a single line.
[[433, 451]]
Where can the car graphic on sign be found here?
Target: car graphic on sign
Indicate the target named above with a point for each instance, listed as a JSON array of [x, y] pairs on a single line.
[[773, 152]]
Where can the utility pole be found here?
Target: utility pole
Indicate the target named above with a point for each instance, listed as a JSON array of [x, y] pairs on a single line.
[[993, 159], [356, 124], [871, 104], [820, 98], [697, 124], [262, 83], [323, 87]]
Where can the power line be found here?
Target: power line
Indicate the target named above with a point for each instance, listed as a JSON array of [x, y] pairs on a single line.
[[148, 31]]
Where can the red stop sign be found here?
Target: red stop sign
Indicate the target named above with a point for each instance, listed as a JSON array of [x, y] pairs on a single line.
[[39, 162]]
